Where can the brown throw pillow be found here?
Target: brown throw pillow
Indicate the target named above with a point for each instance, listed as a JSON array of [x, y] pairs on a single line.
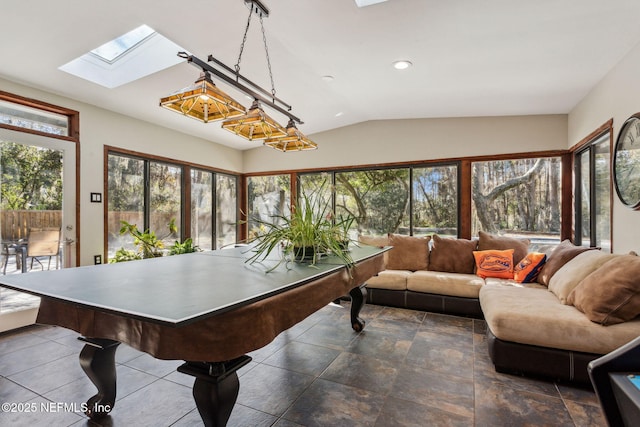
[[408, 253], [487, 241], [452, 255], [562, 254], [611, 294]]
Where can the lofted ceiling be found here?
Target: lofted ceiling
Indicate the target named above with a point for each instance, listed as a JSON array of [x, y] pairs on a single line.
[[470, 57]]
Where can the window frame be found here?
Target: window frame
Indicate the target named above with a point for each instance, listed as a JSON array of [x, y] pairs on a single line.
[[73, 117], [185, 204], [464, 183], [587, 146]]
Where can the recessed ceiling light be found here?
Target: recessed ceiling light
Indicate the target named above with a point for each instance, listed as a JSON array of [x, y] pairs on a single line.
[[339, 114], [402, 65], [328, 78]]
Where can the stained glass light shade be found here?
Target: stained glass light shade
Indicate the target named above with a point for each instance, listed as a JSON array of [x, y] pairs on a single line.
[[203, 101], [293, 141], [256, 124]]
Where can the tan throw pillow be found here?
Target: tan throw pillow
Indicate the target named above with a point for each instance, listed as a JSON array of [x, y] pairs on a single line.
[[408, 253], [572, 273], [562, 254], [611, 294], [378, 241], [487, 241], [452, 255]]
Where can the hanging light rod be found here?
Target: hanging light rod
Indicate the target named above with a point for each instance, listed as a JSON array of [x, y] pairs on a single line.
[[205, 66], [246, 80], [257, 7]]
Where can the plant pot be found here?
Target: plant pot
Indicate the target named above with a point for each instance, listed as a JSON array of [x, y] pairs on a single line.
[[304, 253], [344, 245]]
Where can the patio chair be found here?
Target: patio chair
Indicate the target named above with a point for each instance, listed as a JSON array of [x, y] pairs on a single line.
[[43, 242], [9, 248], [7, 251]]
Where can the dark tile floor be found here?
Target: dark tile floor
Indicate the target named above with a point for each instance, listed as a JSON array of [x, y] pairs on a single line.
[[408, 368]]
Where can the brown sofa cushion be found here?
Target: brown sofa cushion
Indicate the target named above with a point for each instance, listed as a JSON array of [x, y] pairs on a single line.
[[611, 294], [408, 253], [487, 241], [562, 254], [452, 255], [574, 271]]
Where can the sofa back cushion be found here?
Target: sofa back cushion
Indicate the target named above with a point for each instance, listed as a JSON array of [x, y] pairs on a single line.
[[487, 241], [562, 254], [572, 273], [408, 253], [611, 294], [494, 263], [452, 255]]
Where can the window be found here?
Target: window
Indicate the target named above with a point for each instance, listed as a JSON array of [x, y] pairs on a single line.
[[226, 209], [129, 57], [202, 195], [151, 193], [382, 200], [114, 49], [593, 193], [267, 198], [203, 211], [126, 195], [435, 200], [32, 118], [520, 198], [377, 199], [165, 200]]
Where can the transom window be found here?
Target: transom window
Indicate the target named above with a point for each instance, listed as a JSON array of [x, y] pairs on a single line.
[[22, 116]]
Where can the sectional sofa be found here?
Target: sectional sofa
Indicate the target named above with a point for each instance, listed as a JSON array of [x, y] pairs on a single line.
[[582, 302]]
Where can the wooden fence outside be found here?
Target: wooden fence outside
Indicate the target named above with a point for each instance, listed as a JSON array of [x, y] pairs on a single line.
[[15, 225]]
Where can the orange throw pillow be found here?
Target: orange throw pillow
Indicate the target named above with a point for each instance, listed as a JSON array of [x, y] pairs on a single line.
[[526, 271], [494, 263]]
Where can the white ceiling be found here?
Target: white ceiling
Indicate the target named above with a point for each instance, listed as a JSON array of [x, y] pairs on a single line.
[[471, 57]]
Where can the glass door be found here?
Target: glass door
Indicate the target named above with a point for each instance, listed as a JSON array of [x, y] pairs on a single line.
[[38, 192]]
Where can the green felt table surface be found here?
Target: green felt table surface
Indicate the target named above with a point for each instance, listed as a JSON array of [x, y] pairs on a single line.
[[180, 289]]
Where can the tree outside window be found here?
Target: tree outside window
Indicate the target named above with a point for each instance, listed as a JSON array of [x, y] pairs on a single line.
[[519, 198]]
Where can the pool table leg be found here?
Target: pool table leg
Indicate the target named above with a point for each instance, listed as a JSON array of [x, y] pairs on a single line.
[[215, 389], [98, 361], [358, 297]]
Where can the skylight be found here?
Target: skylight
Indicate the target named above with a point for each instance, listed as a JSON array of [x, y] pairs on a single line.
[[111, 51], [365, 3], [136, 54]]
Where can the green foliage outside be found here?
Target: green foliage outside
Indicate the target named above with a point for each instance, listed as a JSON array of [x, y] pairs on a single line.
[[31, 177], [149, 245]]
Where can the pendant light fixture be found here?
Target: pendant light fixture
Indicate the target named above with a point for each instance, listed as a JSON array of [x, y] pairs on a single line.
[[294, 140], [204, 101], [255, 124]]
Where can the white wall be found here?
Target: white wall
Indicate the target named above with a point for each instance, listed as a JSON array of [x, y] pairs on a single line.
[[388, 141], [617, 96], [99, 127]]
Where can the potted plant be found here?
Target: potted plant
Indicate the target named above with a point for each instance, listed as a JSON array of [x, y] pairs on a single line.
[[185, 247], [149, 245], [306, 235]]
